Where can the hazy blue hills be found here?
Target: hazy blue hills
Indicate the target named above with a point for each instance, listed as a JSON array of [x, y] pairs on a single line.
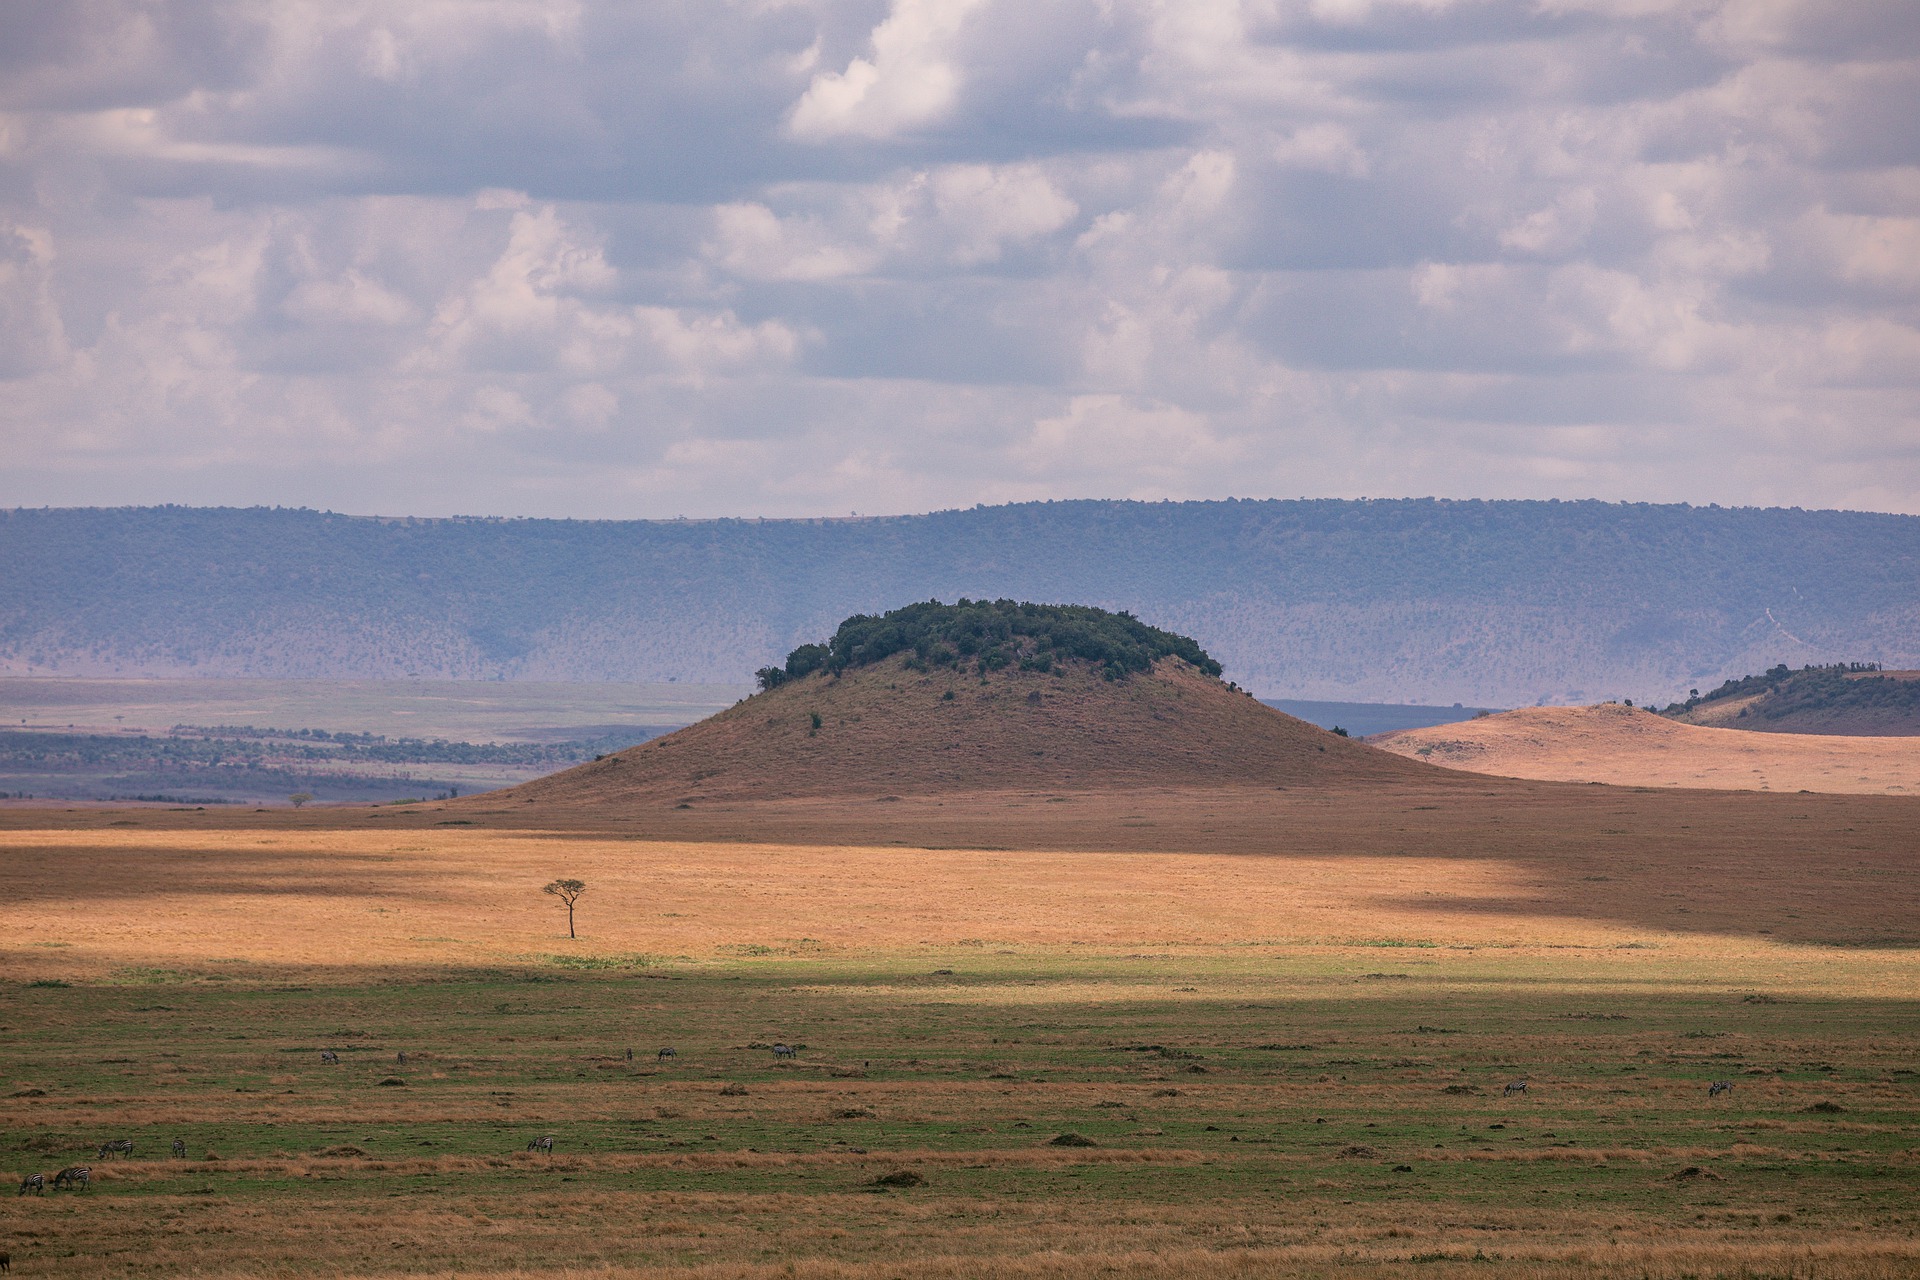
[[1487, 603]]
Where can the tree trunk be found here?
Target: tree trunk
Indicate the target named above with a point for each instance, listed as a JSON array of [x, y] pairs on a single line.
[[569, 919]]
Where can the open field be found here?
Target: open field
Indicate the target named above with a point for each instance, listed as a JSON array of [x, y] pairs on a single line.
[[1627, 746], [1284, 1019]]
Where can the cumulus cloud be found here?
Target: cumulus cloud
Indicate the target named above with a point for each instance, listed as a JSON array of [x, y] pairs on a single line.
[[794, 256], [907, 82]]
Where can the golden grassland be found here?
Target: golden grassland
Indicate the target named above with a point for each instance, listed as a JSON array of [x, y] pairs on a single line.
[[1628, 746], [1283, 1017]]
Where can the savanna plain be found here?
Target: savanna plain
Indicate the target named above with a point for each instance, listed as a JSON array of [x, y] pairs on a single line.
[[1138, 1034]]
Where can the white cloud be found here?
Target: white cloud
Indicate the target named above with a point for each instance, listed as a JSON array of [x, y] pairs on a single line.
[[909, 81], [957, 215], [787, 256]]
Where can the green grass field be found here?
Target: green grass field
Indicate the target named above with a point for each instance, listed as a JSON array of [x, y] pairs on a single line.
[[1250, 1115]]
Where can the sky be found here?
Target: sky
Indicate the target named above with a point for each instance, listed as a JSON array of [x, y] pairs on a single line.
[[622, 260]]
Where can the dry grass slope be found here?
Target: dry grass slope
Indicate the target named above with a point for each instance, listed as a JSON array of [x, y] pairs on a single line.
[[1626, 746], [887, 730]]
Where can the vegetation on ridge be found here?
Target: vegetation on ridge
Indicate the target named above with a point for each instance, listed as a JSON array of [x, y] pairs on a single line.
[[1853, 695], [988, 635]]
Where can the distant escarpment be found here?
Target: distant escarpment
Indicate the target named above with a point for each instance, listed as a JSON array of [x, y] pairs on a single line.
[[977, 697], [1423, 601]]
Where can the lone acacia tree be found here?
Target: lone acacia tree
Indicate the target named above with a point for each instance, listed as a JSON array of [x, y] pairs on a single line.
[[568, 891]]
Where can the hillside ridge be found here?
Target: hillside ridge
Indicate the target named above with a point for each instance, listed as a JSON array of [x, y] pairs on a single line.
[[886, 730], [1852, 699], [1632, 746]]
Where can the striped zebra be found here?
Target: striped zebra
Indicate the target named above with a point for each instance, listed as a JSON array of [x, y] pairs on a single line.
[[401, 1057], [122, 1145], [668, 1052], [74, 1177], [785, 1051], [1513, 1087], [179, 1149], [328, 1055], [34, 1182], [541, 1144], [1719, 1087]]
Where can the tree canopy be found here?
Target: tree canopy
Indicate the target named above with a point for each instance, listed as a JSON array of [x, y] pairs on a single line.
[[987, 635]]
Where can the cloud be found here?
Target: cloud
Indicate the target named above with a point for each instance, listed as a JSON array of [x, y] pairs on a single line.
[[909, 81], [792, 256]]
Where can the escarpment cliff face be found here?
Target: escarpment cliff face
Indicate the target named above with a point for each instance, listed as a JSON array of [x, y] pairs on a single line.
[[887, 729]]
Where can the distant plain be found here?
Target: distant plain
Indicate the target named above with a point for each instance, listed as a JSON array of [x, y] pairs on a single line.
[[260, 741], [461, 710]]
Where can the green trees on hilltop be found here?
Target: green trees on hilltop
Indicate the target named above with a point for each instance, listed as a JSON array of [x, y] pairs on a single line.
[[987, 635]]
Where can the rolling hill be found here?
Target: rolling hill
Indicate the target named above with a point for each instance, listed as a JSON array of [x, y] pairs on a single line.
[[1630, 746], [1421, 601]]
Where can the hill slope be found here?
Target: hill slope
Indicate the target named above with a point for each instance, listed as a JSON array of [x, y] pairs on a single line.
[[1824, 700], [886, 730], [1486, 603], [1634, 747]]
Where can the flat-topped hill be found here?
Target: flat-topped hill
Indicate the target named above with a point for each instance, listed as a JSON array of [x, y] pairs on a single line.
[[983, 698], [1629, 746]]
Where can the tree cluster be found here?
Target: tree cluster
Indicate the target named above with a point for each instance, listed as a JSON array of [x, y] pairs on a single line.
[[987, 635]]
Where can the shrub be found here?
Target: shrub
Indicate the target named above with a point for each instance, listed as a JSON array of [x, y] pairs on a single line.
[[1072, 1140]]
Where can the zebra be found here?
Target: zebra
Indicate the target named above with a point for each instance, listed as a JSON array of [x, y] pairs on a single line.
[[74, 1176], [179, 1149], [1513, 1087], [541, 1144], [1719, 1087], [668, 1052], [785, 1051], [401, 1057], [328, 1055], [122, 1145], [35, 1183]]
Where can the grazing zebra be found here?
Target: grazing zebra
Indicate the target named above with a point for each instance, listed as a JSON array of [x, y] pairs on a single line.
[[541, 1144], [1719, 1087], [179, 1149], [785, 1051], [123, 1145], [401, 1057], [328, 1055], [35, 1183], [78, 1175], [1513, 1087], [668, 1052]]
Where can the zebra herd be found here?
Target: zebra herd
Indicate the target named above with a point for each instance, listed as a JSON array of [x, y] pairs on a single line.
[[75, 1177], [79, 1177]]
